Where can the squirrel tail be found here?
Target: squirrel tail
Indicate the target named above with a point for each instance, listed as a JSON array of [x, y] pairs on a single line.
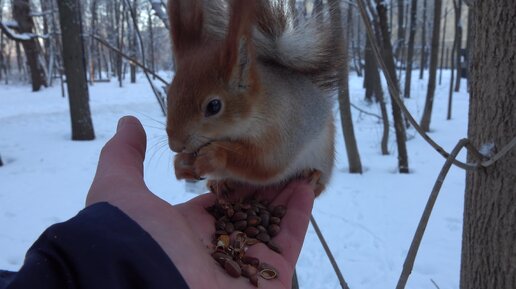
[[306, 46]]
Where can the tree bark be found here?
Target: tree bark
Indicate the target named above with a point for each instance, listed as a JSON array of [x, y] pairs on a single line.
[[429, 102], [388, 57], [133, 46], [410, 53], [355, 165], [458, 38], [489, 234], [442, 46], [21, 13], [75, 69], [423, 42]]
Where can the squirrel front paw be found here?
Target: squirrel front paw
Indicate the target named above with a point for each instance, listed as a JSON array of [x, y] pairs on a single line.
[[210, 161], [184, 166]]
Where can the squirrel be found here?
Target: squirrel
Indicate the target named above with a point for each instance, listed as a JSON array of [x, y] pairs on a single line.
[[251, 101]]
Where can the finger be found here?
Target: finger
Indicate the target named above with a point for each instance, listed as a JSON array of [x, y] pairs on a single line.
[[298, 197], [126, 149], [121, 161]]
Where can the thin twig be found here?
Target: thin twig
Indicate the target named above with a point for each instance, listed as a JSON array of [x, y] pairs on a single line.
[[366, 112], [342, 282], [420, 231], [104, 43], [435, 284], [157, 93]]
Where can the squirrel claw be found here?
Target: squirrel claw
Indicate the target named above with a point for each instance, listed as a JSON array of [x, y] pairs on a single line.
[[314, 178], [211, 160]]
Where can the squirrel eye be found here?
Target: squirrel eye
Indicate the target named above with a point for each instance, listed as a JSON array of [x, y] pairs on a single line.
[[213, 107]]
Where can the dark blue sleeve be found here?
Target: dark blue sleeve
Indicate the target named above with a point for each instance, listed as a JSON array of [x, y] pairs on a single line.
[[99, 248]]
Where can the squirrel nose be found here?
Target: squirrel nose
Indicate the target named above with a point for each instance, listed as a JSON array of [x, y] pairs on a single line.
[[175, 142], [175, 145]]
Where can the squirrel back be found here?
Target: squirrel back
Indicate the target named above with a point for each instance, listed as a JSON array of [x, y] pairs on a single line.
[[249, 99]]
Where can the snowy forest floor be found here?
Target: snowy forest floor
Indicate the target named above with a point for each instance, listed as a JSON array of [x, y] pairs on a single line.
[[369, 220]]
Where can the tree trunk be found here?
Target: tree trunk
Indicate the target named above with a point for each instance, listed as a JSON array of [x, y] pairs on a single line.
[[151, 45], [355, 165], [442, 47], [75, 69], [423, 42], [388, 57], [401, 31], [458, 39], [410, 53], [489, 234], [21, 13], [429, 103], [133, 39]]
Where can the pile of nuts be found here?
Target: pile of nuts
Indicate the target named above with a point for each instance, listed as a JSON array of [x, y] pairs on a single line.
[[239, 226]]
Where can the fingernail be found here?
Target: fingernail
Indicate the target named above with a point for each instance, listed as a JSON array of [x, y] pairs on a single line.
[[120, 123]]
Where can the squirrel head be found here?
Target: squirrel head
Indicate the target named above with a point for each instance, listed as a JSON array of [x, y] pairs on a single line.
[[216, 85]]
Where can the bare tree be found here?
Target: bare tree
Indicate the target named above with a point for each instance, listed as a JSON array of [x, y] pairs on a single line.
[[410, 53], [388, 57], [355, 165], [75, 69], [457, 6], [25, 24], [429, 102], [423, 42], [489, 234], [443, 44]]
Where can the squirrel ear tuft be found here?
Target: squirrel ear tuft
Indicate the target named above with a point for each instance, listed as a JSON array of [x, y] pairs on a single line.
[[186, 25], [238, 56], [241, 72]]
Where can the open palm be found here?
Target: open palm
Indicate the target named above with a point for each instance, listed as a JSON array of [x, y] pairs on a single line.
[[185, 231]]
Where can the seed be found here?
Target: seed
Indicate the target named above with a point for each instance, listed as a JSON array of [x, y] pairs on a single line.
[[268, 274], [230, 228], [265, 219], [251, 241], [254, 280], [275, 220], [273, 230], [279, 211], [267, 271], [261, 228], [241, 225], [239, 216], [220, 225], [252, 232], [251, 261], [264, 237], [253, 221], [248, 270], [274, 247], [232, 268], [230, 212], [224, 239], [237, 207], [221, 257]]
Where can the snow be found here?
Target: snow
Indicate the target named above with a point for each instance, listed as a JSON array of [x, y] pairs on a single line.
[[368, 220]]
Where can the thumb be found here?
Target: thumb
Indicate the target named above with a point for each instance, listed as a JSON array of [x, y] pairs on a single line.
[[121, 160]]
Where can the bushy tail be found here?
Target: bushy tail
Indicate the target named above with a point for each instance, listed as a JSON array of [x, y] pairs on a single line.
[[309, 48]]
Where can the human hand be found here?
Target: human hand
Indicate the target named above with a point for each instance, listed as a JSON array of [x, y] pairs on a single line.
[[185, 231]]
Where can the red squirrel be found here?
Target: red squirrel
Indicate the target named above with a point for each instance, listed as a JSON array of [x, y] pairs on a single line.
[[250, 101]]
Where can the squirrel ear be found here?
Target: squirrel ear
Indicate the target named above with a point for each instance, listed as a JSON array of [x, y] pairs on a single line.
[[240, 76], [238, 56], [186, 25]]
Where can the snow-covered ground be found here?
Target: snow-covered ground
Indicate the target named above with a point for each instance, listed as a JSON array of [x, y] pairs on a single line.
[[368, 220]]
